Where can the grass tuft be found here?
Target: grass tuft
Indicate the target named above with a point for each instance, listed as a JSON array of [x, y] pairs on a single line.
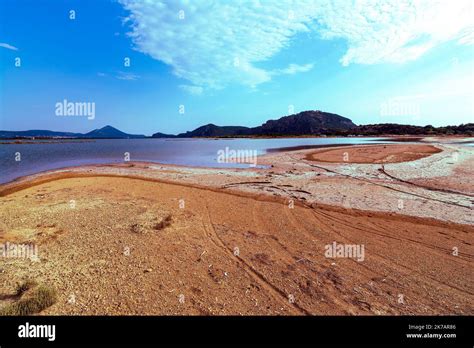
[[163, 223], [34, 298], [25, 286]]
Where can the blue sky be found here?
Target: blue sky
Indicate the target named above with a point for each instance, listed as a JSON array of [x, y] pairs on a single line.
[[234, 62]]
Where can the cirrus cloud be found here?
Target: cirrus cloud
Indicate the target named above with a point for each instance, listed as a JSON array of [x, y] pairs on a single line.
[[213, 43], [194, 90], [8, 46], [293, 69]]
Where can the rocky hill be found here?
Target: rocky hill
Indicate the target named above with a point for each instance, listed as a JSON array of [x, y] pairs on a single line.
[[303, 123]]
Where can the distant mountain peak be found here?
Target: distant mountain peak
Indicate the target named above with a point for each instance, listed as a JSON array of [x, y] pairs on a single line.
[[110, 132], [107, 128]]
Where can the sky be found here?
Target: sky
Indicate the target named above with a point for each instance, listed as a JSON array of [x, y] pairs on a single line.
[[170, 66]]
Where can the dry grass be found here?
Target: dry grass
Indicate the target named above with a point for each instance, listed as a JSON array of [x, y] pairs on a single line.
[[147, 226], [33, 298], [25, 286], [163, 223]]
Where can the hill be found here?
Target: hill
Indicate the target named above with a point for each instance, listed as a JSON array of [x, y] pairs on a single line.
[[303, 123], [306, 123], [101, 133], [162, 135], [403, 129], [37, 133], [211, 130], [110, 133]]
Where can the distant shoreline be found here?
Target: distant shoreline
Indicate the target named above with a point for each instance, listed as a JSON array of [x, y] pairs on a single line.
[[388, 137], [310, 123]]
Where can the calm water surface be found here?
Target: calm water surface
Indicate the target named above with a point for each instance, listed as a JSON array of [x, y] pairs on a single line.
[[192, 152]]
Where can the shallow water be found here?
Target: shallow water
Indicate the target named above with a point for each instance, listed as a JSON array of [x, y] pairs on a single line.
[[41, 156]]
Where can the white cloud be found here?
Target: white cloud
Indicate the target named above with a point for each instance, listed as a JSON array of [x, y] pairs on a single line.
[[194, 90], [467, 38], [10, 47], [395, 31], [218, 43], [293, 69]]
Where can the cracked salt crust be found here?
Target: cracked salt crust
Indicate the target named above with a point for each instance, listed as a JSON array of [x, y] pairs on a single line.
[[436, 165]]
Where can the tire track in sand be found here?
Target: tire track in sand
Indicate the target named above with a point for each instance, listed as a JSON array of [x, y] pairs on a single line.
[[382, 257], [256, 275]]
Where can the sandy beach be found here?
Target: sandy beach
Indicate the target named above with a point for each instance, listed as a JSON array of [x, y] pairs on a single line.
[[146, 238]]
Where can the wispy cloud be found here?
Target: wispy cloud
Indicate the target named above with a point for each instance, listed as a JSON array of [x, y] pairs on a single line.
[[194, 90], [395, 31], [293, 69], [218, 43], [127, 76], [10, 47]]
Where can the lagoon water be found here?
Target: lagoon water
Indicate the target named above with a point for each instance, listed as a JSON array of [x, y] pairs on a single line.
[[47, 155]]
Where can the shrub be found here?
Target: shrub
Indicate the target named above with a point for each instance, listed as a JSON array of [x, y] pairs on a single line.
[[34, 298]]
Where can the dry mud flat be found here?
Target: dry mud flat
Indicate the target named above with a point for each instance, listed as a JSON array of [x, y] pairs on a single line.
[[112, 245], [373, 154]]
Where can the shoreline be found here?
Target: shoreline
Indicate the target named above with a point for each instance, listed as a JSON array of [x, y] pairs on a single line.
[[53, 177], [391, 137], [144, 238], [280, 149], [282, 171]]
